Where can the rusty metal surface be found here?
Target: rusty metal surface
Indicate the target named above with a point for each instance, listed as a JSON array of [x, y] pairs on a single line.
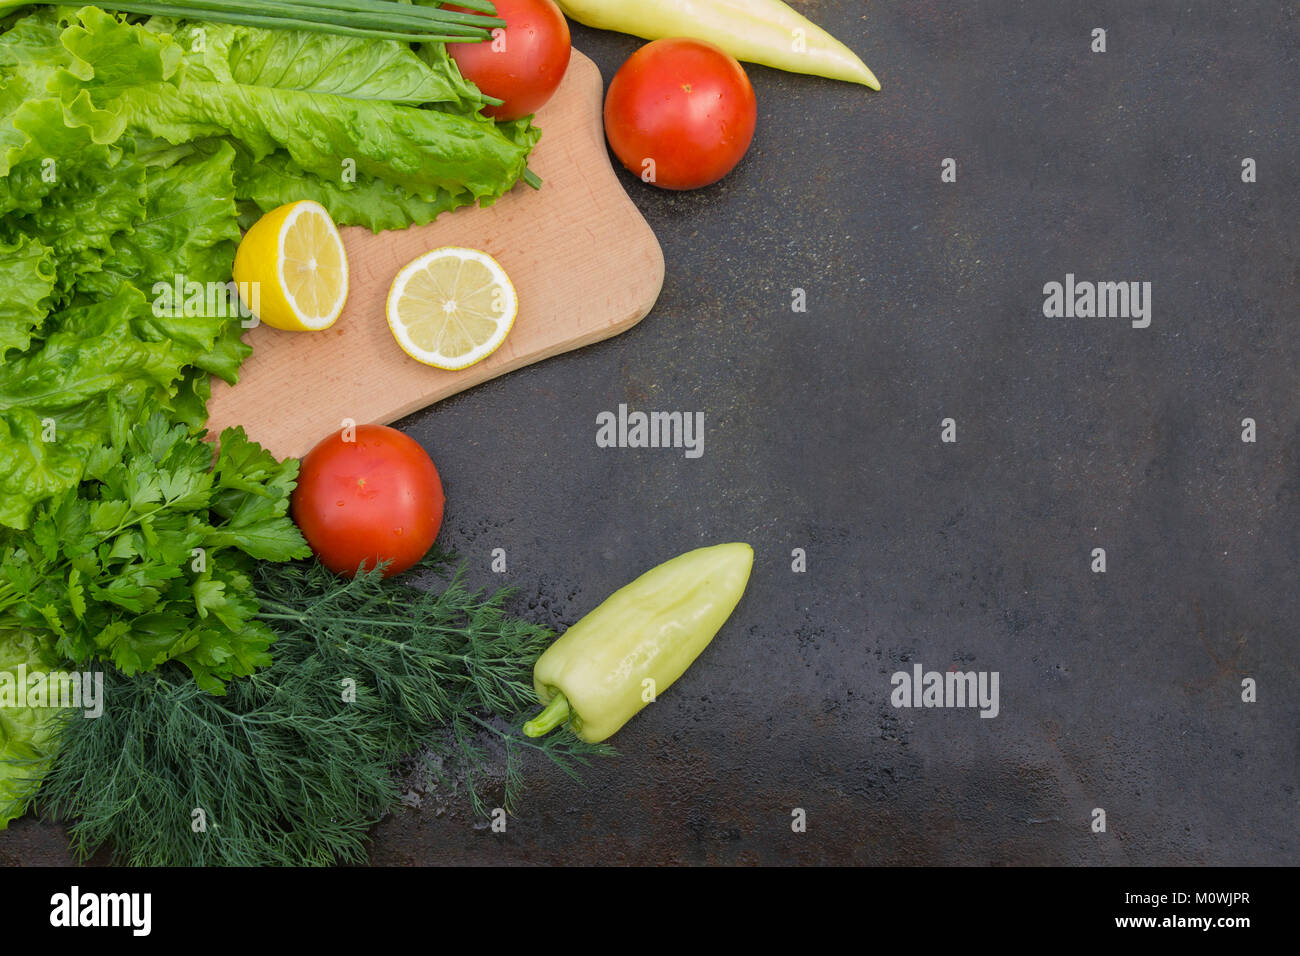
[[1119, 690]]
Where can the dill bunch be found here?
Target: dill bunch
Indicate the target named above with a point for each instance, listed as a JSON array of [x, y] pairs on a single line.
[[296, 762]]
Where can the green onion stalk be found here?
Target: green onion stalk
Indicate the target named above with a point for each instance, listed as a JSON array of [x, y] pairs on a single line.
[[368, 19]]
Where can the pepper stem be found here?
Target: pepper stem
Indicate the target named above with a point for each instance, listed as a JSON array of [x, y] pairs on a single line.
[[554, 714]]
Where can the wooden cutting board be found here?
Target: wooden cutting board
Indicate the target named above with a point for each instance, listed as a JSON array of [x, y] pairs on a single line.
[[585, 264]]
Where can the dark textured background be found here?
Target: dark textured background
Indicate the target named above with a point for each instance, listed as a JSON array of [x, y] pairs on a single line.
[[1119, 691]]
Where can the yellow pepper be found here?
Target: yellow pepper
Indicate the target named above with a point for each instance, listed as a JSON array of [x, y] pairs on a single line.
[[759, 31], [614, 661]]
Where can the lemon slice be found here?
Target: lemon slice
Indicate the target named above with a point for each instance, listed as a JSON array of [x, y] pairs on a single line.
[[293, 266], [451, 307]]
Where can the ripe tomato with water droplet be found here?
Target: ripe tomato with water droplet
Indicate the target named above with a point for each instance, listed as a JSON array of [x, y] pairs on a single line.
[[377, 498], [680, 113]]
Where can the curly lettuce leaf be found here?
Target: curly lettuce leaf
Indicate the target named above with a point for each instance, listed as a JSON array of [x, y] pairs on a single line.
[[26, 282], [176, 222], [29, 736], [94, 200], [187, 227], [30, 56], [56, 399], [125, 150]]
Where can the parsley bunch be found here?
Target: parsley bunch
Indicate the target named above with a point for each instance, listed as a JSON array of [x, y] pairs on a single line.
[[150, 559]]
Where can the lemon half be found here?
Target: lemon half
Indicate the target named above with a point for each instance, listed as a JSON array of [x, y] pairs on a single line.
[[452, 307], [293, 262]]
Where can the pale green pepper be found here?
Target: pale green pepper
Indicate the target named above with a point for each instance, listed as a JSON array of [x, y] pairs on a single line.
[[759, 31], [631, 648]]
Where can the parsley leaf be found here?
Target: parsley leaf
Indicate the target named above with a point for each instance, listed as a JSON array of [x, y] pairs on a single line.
[[149, 560]]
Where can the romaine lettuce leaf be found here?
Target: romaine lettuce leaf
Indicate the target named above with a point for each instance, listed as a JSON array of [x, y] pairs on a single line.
[[335, 137], [321, 63], [374, 203], [333, 120]]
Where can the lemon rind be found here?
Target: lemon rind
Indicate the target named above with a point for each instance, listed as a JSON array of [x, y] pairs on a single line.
[[312, 324], [437, 360]]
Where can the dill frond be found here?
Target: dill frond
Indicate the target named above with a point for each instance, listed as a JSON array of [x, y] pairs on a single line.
[[297, 761]]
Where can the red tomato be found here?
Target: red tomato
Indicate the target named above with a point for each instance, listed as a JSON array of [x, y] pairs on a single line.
[[680, 113], [521, 63], [374, 499]]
